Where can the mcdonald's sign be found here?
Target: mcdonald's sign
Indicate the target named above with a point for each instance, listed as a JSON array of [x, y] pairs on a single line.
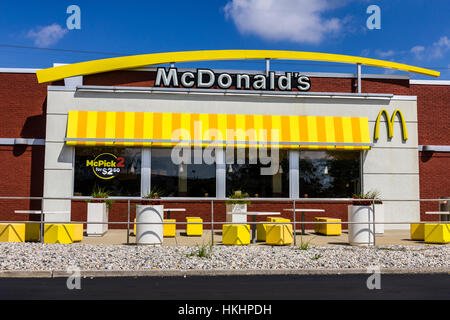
[[390, 124]]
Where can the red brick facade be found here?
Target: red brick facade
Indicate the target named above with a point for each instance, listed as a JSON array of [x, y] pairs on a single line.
[[22, 113], [23, 110]]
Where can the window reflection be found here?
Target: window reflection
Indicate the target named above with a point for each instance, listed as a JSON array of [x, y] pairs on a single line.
[[244, 174], [195, 179], [329, 174]]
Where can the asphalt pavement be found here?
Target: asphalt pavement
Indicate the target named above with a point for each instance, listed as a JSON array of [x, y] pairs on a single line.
[[232, 287]]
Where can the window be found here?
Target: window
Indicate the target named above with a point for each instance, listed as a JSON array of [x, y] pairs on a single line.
[[116, 170], [250, 174], [329, 174], [192, 179]]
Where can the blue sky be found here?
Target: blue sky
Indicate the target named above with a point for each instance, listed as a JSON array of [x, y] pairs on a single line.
[[415, 32]]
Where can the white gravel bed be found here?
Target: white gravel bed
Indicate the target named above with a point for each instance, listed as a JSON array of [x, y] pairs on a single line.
[[46, 257]]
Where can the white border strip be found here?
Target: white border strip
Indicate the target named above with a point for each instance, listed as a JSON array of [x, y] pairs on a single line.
[[18, 70], [431, 82]]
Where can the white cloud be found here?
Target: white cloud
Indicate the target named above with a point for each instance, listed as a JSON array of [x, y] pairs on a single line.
[[437, 50], [385, 54], [418, 51], [440, 47], [299, 21], [47, 36], [365, 53]]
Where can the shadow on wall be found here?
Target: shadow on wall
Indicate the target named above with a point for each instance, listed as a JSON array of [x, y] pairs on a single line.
[[426, 156], [34, 128]]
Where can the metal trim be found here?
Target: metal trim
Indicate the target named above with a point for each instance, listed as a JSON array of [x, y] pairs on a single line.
[[268, 143], [381, 96], [435, 148], [21, 141]]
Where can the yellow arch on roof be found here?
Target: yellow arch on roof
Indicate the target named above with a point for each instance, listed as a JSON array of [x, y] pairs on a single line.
[[137, 61]]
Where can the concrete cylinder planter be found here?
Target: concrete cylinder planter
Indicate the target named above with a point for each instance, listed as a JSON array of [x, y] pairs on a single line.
[[149, 234], [97, 212], [237, 213], [360, 234]]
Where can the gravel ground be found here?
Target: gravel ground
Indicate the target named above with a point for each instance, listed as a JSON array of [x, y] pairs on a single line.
[[48, 257]]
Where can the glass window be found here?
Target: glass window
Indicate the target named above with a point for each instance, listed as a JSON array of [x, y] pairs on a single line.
[[192, 178], [249, 173], [329, 174], [117, 170]]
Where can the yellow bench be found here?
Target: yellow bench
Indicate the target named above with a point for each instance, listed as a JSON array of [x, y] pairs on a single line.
[[194, 229], [279, 234], [332, 229], [417, 231], [437, 233], [235, 234], [59, 233], [12, 232], [169, 230]]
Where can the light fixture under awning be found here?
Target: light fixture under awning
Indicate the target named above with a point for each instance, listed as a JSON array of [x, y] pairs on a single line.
[[100, 128]]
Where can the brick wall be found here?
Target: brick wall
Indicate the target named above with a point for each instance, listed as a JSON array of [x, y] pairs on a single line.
[[23, 107], [22, 114]]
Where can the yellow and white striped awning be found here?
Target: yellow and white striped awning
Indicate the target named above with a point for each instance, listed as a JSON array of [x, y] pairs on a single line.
[[98, 128]]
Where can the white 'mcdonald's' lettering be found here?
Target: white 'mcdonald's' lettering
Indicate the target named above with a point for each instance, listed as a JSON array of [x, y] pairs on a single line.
[[206, 79]]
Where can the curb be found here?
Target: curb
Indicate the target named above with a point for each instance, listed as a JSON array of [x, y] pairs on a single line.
[[208, 273]]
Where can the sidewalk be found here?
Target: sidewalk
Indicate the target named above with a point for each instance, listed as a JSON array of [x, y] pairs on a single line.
[[390, 237]]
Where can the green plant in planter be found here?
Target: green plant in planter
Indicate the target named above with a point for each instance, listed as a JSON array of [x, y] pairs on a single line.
[[101, 193], [369, 195], [155, 193], [238, 198]]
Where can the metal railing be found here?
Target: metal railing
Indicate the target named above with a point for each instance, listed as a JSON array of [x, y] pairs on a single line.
[[212, 201]]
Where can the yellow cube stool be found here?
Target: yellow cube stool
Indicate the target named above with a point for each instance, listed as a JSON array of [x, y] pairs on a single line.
[[194, 229], [58, 233], [169, 230], [317, 226], [418, 231], [261, 231], [280, 220], [277, 219], [32, 232], [77, 235], [12, 232], [233, 234], [279, 234], [334, 229], [437, 232]]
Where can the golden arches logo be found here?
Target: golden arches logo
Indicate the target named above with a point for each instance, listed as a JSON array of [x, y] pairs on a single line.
[[138, 61], [390, 124]]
